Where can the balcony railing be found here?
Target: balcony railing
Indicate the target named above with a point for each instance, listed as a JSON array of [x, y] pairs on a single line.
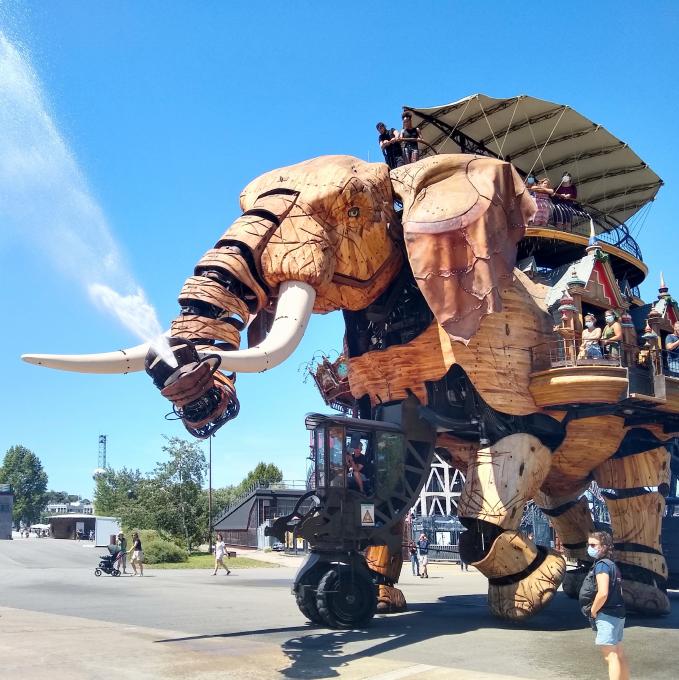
[[574, 218], [564, 353], [665, 363]]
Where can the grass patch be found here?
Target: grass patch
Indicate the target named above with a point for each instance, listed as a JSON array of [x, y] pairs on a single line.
[[201, 560]]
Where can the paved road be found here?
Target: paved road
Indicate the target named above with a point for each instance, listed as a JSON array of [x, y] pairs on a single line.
[[189, 624]]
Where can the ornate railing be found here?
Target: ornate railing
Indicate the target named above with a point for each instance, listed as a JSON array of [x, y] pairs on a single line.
[[575, 219], [666, 363], [565, 353]]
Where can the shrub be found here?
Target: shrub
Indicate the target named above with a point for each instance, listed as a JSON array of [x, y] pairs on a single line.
[[146, 536], [158, 550]]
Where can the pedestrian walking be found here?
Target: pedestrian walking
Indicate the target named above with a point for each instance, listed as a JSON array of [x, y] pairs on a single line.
[[220, 551], [414, 562], [423, 550], [122, 548], [137, 554], [602, 602]]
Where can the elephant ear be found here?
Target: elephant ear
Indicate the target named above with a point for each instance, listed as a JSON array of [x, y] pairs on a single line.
[[463, 216]]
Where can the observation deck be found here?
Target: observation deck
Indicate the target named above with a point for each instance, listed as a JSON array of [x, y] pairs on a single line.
[[546, 139], [640, 384], [553, 246]]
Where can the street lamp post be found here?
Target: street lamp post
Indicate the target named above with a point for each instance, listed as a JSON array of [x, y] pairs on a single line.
[[209, 493]]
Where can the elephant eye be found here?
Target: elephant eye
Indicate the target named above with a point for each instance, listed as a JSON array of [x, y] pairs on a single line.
[[354, 212]]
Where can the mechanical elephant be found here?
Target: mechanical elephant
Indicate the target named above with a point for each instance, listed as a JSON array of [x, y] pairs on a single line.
[[421, 262]]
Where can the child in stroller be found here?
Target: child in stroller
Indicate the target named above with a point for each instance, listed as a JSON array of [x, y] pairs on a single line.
[[109, 563]]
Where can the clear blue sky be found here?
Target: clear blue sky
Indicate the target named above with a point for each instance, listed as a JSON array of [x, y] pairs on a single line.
[[157, 114]]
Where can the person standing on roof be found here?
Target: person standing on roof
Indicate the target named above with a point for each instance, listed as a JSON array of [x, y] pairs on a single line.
[[391, 146], [410, 137]]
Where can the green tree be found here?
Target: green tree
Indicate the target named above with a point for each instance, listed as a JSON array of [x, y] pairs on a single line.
[[222, 498], [116, 490], [264, 474], [173, 495], [23, 470], [57, 496]]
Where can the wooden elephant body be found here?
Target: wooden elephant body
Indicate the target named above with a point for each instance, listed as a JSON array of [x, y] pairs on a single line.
[[421, 262]]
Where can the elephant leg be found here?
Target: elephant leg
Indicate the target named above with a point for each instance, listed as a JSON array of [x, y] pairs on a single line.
[[636, 516], [500, 479], [572, 521], [387, 561]]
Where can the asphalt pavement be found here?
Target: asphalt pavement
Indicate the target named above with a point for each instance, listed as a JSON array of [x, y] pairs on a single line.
[[55, 615]]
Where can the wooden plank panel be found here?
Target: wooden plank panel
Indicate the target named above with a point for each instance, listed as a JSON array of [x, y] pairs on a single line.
[[502, 477], [589, 442], [637, 519], [650, 468], [497, 359], [579, 384], [656, 563]]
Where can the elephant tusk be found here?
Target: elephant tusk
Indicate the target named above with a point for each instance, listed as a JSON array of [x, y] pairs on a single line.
[[121, 361], [293, 311]]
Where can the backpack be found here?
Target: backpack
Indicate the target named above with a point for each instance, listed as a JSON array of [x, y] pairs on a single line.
[[589, 588]]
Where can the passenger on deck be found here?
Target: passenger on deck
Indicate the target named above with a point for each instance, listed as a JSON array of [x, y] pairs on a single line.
[[566, 191], [611, 335], [591, 334], [390, 144], [672, 347], [410, 137], [542, 192], [564, 196]]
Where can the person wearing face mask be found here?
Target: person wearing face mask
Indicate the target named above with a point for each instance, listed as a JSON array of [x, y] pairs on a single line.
[[611, 335], [602, 603], [541, 192], [566, 191], [565, 194], [591, 335]]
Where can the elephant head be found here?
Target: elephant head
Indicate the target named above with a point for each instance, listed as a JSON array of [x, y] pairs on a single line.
[[323, 235]]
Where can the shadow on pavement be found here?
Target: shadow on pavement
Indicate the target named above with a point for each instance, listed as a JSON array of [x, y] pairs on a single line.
[[316, 652]]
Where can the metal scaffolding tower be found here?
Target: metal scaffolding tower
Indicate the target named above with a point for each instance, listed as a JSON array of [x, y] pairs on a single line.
[[101, 464], [441, 492]]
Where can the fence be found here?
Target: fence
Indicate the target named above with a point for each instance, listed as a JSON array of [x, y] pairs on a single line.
[[570, 352]]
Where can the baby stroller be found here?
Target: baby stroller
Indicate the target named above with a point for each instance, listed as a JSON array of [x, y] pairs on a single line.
[[109, 563]]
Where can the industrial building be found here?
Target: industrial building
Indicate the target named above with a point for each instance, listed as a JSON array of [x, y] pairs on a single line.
[[6, 507]]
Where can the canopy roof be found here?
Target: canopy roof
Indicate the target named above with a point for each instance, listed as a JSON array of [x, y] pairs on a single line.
[[547, 139]]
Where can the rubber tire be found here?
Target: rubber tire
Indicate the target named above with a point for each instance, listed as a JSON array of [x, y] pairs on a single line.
[[345, 599], [306, 597], [97, 572], [115, 572]]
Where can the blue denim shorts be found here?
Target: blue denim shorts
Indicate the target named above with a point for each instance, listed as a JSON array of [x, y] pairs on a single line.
[[609, 629]]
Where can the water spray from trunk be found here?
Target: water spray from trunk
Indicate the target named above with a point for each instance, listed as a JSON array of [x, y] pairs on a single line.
[[45, 199]]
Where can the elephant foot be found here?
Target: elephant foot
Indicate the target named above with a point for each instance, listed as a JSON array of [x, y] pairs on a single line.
[[572, 581], [390, 600], [522, 577], [518, 600], [645, 598]]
